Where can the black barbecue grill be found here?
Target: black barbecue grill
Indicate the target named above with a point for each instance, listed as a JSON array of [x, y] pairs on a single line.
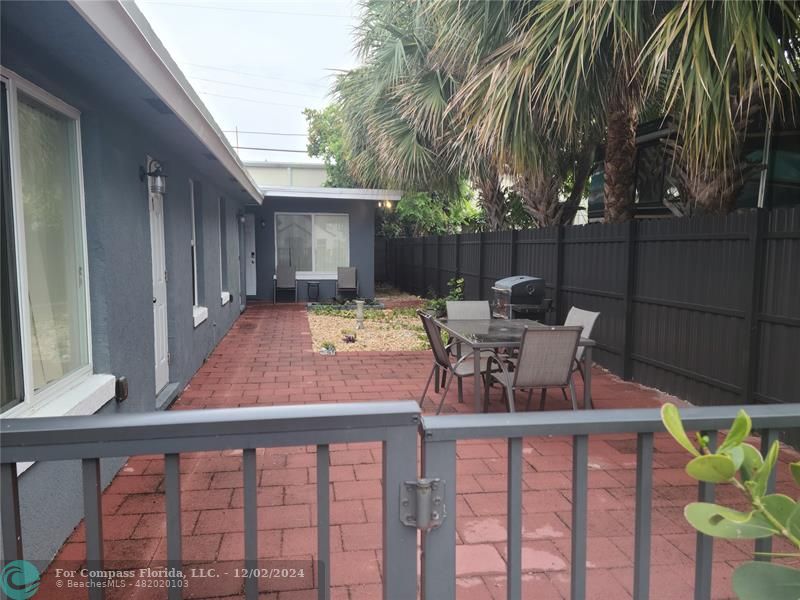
[[520, 297]]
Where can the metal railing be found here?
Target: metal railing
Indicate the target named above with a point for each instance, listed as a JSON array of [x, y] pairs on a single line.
[[91, 438], [428, 503], [440, 435]]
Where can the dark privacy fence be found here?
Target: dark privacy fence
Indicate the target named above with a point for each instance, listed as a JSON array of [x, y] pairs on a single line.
[[706, 308]]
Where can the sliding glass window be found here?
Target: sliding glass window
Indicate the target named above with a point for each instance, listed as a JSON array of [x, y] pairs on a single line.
[[43, 249]]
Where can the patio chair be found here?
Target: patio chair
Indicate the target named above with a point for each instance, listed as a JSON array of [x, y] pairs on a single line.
[[284, 280], [464, 310], [346, 280], [544, 361], [586, 319], [463, 367], [467, 310]]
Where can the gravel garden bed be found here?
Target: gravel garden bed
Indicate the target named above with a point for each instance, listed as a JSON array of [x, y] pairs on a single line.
[[384, 330]]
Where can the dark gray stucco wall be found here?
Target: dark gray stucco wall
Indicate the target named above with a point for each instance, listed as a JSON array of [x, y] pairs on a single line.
[[362, 241], [120, 278]]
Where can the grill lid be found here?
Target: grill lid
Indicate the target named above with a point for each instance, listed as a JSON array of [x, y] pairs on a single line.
[[520, 285]]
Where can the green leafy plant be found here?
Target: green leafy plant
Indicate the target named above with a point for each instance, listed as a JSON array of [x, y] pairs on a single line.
[[438, 306], [328, 348], [740, 464]]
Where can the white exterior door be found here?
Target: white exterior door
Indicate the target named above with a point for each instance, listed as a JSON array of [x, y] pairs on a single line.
[[250, 253], [159, 290]]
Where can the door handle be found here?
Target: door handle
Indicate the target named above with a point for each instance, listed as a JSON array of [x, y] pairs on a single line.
[[154, 300]]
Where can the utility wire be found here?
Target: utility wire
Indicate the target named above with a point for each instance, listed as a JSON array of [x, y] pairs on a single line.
[[264, 132], [253, 87], [307, 83], [267, 149], [250, 10], [250, 100]]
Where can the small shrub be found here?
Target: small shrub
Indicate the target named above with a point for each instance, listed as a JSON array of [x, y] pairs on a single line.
[[742, 466]]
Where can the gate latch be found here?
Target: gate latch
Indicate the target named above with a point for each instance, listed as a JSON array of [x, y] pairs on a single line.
[[422, 503]]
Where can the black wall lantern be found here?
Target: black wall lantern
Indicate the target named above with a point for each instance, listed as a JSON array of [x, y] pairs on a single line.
[[158, 181]]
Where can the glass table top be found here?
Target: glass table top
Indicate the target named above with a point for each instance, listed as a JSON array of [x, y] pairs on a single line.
[[495, 333]]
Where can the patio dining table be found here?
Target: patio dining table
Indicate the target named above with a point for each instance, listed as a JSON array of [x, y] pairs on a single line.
[[481, 334]]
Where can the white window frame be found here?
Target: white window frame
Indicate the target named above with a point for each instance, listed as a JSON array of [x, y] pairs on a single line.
[[313, 273], [224, 291], [78, 389], [199, 312]]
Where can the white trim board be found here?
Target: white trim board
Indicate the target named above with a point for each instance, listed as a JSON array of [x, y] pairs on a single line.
[[278, 191]]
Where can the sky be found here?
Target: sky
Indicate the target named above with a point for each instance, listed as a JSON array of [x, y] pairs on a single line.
[[258, 64]]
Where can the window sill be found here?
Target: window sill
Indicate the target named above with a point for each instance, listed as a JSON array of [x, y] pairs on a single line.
[[199, 314], [226, 297], [85, 398]]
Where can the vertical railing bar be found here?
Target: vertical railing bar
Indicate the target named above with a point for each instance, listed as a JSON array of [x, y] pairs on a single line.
[[172, 488], [250, 475], [764, 545], [514, 523], [9, 512], [644, 497], [704, 544], [93, 516], [580, 486], [400, 551], [323, 522], [439, 545]]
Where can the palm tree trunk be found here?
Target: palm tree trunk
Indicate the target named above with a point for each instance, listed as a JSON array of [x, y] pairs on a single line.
[[620, 161], [580, 173], [492, 200], [539, 195]]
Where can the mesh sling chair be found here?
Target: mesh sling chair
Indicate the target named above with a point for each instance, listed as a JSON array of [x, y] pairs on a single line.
[[441, 360], [585, 319], [467, 310], [544, 361], [464, 310], [346, 280], [284, 280]]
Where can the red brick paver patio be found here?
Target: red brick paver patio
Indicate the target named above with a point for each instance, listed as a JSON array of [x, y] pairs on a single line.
[[267, 359]]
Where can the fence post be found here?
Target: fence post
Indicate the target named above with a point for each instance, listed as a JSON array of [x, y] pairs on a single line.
[[480, 265], [627, 299], [755, 271], [559, 272]]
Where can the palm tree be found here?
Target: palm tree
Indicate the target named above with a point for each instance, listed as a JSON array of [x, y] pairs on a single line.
[[469, 33], [394, 110], [568, 71]]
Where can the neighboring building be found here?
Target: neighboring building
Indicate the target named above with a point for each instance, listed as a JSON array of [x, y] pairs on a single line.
[[288, 174], [776, 186], [102, 277]]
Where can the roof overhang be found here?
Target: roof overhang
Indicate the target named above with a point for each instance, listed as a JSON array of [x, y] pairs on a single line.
[[125, 29], [277, 191]]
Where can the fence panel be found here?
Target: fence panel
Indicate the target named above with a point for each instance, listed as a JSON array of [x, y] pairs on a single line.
[[690, 303], [705, 308], [777, 378], [430, 270], [381, 259], [496, 259], [469, 263], [594, 279], [448, 269]]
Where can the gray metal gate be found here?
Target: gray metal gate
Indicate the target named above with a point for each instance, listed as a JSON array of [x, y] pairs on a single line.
[[409, 503]]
